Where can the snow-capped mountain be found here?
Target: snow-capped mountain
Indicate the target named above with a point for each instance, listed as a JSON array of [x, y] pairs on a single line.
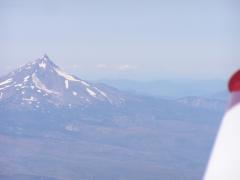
[[42, 82]]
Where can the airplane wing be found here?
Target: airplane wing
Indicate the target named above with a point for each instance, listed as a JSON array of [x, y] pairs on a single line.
[[224, 163]]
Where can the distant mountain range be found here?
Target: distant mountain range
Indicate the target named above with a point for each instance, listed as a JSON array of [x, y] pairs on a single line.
[[172, 88], [54, 125]]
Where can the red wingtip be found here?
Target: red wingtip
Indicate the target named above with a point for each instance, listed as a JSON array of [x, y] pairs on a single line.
[[234, 83]]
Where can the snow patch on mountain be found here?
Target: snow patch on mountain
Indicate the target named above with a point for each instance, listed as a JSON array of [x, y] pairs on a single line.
[[65, 75], [42, 86], [101, 92], [42, 65], [26, 78], [6, 81], [18, 85], [86, 84], [4, 87], [91, 93], [66, 84]]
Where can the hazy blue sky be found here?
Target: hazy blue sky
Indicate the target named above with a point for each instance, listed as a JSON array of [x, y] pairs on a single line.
[[142, 39]]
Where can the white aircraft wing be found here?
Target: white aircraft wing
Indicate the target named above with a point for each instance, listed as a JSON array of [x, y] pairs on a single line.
[[224, 163]]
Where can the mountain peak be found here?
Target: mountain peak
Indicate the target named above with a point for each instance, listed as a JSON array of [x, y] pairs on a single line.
[[44, 62], [45, 57]]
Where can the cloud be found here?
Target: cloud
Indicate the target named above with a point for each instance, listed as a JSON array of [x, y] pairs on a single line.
[[102, 66], [126, 67], [119, 67]]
